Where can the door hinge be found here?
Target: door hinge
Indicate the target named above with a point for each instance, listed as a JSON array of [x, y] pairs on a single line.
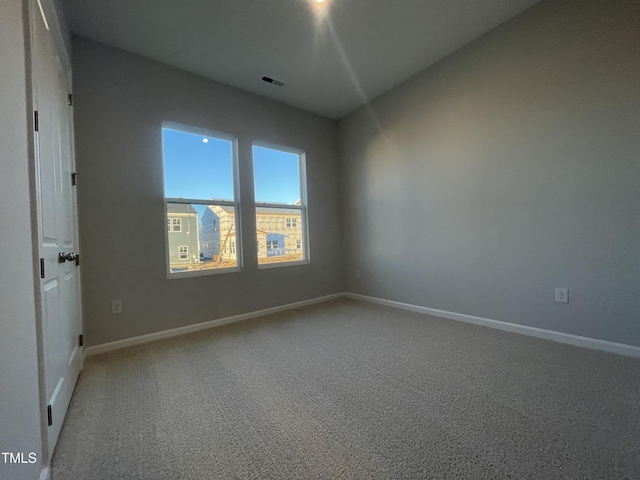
[[77, 259], [49, 416], [74, 179], [80, 340], [71, 99], [42, 268], [36, 123]]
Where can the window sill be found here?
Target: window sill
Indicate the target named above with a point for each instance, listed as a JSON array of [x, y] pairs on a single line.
[[266, 266], [202, 273]]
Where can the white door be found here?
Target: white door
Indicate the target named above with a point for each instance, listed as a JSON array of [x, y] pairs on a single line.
[[59, 287]]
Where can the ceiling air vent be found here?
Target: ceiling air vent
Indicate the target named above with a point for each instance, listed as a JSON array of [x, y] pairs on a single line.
[[277, 83]]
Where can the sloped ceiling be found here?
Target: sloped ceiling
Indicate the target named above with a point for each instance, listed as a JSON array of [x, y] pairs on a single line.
[[332, 57]]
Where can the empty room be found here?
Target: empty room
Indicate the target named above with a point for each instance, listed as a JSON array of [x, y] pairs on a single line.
[[318, 239]]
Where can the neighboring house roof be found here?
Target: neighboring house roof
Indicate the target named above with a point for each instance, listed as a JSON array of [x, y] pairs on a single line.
[[278, 211], [225, 208], [264, 210], [183, 208]]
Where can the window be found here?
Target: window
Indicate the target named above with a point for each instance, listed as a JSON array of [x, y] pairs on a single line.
[[281, 205], [200, 187], [175, 224]]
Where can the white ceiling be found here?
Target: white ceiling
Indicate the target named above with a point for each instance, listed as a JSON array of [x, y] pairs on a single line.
[[332, 57]]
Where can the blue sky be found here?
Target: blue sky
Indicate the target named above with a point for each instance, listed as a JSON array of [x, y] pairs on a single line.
[[276, 176], [194, 169], [199, 169]]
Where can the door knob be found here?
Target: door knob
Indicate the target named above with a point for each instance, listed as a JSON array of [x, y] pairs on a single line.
[[63, 257]]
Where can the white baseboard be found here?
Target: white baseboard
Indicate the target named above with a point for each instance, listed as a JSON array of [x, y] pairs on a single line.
[[567, 338], [151, 337], [45, 474], [576, 340]]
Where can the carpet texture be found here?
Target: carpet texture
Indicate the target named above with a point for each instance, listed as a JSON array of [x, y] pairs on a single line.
[[352, 390]]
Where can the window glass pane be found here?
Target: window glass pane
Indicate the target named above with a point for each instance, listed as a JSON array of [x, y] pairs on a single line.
[[197, 166], [183, 237], [276, 176], [218, 236], [206, 239], [200, 165], [279, 240]]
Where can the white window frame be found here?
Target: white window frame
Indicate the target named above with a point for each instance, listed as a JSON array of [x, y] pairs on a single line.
[[303, 207], [235, 203], [186, 254], [173, 223]]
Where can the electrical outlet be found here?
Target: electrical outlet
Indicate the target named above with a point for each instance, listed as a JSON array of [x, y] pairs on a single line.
[[562, 295], [357, 273], [116, 307]]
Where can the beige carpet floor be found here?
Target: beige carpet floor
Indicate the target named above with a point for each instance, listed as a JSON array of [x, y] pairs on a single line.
[[356, 391]]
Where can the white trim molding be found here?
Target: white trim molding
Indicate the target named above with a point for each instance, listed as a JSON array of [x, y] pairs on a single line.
[[45, 474], [575, 340], [174, 332], [566, 338]]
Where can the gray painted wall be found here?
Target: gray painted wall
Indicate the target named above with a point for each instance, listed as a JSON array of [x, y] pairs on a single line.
[[19, 394], [508, 169], [120, 101]]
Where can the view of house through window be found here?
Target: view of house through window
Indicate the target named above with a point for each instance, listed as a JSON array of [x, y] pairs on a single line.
[[200, 194], [279, 181]]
